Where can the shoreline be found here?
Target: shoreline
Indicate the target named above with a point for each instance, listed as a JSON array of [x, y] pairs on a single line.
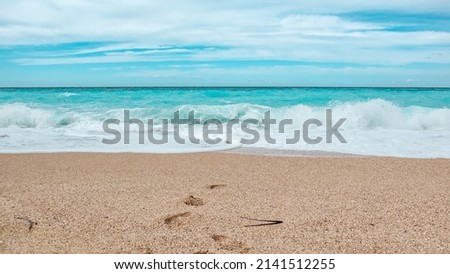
[[257, 151], [198, 203]]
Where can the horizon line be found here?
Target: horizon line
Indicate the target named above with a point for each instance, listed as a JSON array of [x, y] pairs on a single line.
[[225, 86]]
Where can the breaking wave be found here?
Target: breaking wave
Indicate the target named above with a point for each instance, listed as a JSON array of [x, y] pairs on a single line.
[[363, 115]]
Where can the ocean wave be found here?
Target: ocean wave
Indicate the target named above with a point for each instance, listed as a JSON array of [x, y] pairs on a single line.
[[23, 116], [67, 94], [381, 114], [362, 115], [20, 115]]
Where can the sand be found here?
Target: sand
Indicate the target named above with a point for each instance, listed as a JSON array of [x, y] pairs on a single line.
[[208, 203]]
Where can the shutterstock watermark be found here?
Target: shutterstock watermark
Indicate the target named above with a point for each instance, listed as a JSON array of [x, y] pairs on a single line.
[[212, 129]]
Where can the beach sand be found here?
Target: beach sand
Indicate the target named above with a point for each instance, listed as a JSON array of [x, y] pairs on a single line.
[[203, 203]]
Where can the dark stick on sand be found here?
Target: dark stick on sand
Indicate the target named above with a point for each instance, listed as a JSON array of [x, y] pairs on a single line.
[[266, 222]]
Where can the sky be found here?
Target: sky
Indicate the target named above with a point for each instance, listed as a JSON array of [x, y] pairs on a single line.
[[224, 43]]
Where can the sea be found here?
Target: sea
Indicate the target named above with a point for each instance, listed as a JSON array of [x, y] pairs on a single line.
[[398, 122]]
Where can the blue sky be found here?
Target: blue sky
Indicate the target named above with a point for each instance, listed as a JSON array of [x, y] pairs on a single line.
[[235, 43]]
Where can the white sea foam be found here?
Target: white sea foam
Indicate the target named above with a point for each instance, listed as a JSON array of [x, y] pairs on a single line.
[[67, 94], [374, 127], [20, 115]]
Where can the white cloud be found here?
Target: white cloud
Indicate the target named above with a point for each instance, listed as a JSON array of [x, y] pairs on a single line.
[[320, 24], [173, 22], [289, 30]]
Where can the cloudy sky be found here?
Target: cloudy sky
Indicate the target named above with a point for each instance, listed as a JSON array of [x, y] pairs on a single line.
[[233, 43]]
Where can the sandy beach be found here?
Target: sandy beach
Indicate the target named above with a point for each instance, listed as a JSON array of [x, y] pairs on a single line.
[[211, 203]]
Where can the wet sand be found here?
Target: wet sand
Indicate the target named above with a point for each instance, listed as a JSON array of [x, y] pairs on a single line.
[[211, 203]]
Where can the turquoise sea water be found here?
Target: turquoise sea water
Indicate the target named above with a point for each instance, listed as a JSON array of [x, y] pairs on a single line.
[[407, 122]]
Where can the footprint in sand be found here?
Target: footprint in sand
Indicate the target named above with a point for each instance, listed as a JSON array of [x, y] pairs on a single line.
[[230, 244], [30, 223], [216, 186], [193, 201], [177, 219]]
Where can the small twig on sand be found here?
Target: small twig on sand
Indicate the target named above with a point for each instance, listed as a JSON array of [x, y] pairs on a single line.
[[30, 222], [266, 222]]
